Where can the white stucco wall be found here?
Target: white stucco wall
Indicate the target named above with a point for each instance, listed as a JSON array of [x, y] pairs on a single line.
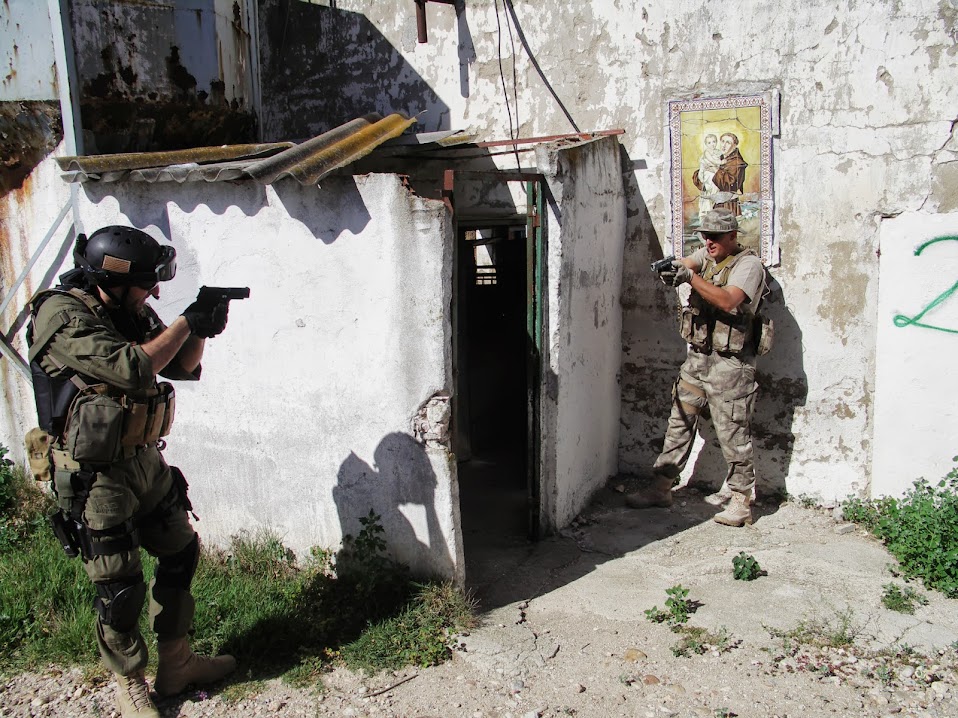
[[867, 109], [27, 216], [583, 324], [916, 418], [27, 70], [303, 419]]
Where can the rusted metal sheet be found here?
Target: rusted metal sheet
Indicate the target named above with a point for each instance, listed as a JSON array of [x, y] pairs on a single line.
[[307, 162], [98, 164]]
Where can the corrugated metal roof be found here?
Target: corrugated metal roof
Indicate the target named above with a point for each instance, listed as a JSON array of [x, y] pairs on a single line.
[[307, 162]]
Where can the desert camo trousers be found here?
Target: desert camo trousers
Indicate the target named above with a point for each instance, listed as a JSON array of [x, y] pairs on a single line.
[[726, 384]]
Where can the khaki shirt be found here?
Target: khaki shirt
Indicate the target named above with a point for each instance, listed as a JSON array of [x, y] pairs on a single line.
[[93, 347], [748, 274]]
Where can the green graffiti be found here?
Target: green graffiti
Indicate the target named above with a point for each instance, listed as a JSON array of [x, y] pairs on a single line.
[[902, 321]]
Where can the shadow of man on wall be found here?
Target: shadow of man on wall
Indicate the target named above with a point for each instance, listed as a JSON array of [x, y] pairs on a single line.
[[400, 487]]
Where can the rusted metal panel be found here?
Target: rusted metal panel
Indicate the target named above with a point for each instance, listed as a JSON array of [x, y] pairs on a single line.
[[95, 164], [314, 159], [29, 131], [307, 162], [163, 75]]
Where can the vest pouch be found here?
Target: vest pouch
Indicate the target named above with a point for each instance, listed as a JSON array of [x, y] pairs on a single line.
[[685, 324], [728, 337], [37, 444], [170, 410], [694, 328], [764, 335], [94, 428], [134, 427]]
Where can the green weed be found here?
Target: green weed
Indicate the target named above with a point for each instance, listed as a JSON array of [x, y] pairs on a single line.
[[698, 641], [419, 636], [746, 568], [900, 599], [678, 607], [919, 529]]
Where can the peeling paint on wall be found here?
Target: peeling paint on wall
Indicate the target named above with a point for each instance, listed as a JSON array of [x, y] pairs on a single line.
[[29, 131], [162, 76]]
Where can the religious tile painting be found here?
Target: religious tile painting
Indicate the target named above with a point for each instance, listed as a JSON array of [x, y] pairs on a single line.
[[721, 156]]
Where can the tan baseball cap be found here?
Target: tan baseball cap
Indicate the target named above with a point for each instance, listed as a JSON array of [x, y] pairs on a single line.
[[718, 221]]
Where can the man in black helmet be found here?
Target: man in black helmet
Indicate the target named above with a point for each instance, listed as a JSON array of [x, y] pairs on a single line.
[[96, 348]]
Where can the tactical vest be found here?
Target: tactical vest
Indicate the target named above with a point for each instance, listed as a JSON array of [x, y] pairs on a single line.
[[707, 328], [94, 422]]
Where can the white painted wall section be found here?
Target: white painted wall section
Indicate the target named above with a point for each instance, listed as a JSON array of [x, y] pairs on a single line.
[[307, 413], [27, 70], [916, 416], [581, 399]]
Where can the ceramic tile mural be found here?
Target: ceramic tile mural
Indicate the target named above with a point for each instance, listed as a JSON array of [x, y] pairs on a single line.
[[721, 157]]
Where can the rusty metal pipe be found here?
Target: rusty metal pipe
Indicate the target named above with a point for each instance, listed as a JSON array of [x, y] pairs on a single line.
[[421, 20]]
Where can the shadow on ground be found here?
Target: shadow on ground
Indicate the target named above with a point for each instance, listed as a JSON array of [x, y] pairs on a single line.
[[503, 566]]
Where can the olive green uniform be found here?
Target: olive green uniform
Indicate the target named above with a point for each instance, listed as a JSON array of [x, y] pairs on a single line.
[[719, 372], [135, 500]]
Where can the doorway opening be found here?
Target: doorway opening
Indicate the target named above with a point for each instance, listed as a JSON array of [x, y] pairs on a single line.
[[493, 386]]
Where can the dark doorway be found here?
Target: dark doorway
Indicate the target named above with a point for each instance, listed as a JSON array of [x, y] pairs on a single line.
[[492, 383]]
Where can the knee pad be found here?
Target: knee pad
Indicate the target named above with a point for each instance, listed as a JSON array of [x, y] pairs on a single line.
[[176, 571], [119, 602]]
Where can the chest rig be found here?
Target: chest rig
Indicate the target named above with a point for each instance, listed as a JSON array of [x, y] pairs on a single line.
[[707, 328], [93, 421]]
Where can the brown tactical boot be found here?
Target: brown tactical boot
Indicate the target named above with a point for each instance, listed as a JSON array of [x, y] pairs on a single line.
[[738, 512], [658, 494], [133, 697], [720, 497], [178, 666]]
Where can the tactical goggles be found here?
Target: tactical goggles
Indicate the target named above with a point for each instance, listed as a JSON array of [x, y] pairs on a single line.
[[164, 272]]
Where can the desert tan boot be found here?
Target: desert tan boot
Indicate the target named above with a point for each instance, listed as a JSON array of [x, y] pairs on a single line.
[[658, 494], [133, 697], [738, 512], [177, 667]]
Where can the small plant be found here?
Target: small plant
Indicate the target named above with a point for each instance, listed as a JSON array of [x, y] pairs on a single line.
[[900, 599], [821, 633], [746, 568], [920, 530], [884, 674], [698, 641], [678, 606]]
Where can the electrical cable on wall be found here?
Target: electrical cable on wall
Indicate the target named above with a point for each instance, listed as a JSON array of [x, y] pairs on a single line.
[[502, 77], [525, 44]]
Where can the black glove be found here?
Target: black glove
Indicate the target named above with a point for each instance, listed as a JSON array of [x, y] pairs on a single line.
[[206, 319]]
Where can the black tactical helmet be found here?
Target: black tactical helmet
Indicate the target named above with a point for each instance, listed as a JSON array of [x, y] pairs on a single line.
[[124, 256]]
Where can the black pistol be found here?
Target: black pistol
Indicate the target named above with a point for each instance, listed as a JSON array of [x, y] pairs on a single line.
[[663, 264], [221, 295]]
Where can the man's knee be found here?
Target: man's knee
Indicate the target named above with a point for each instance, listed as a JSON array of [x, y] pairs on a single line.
[[176, 570], [118, 602]]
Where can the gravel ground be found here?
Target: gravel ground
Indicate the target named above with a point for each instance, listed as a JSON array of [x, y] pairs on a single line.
[[580, 644]]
